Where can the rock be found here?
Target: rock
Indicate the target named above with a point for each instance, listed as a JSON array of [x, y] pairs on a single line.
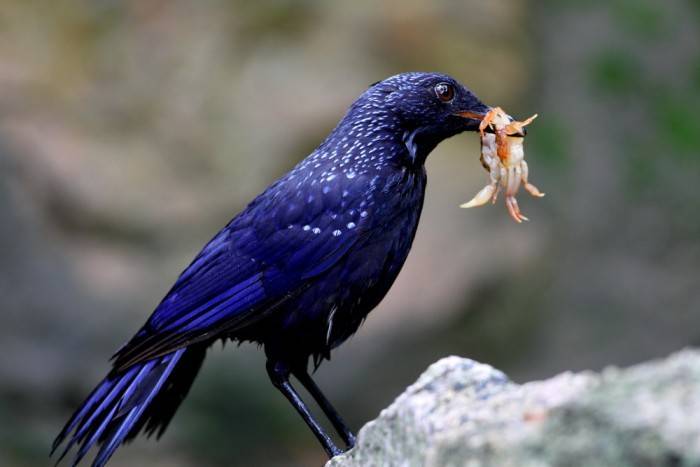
[[464, 413]]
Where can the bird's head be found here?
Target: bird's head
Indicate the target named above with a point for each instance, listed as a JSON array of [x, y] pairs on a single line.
[[425, 108]]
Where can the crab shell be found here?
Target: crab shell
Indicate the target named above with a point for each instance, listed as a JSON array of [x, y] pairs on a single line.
[[507, 137], [514, 153]]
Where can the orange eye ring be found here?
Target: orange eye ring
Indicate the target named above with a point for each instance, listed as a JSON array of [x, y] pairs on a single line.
[[445, 92]]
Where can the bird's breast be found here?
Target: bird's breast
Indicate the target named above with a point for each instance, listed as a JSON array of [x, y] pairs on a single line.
[[339, 301]]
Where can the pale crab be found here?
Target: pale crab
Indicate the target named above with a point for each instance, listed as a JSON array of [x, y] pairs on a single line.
[[502, 155]]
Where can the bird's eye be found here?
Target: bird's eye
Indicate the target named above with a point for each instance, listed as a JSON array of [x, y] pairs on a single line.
[[445, 92]]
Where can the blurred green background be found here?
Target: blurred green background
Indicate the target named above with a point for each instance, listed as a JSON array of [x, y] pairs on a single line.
[[130, 131]]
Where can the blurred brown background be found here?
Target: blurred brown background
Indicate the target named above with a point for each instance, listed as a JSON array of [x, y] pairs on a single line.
[[130, 131]]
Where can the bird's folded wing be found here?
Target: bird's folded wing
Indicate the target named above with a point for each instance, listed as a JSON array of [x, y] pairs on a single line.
[[239, 278]]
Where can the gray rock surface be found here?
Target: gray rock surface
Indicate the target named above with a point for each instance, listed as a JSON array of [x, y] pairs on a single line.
[[464, 413]]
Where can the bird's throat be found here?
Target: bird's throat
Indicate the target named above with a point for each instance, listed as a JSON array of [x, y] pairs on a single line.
[[418, 145]]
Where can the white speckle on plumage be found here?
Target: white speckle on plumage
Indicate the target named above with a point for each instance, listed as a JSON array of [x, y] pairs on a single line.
[[337, 232], [363, 214], [316, 230], [351, 225], [306, 227], [326, 189]]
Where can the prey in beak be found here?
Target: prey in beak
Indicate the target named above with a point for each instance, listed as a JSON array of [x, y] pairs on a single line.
[[503, 156]]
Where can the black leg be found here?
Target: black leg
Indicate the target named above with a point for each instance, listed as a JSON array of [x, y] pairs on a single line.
[[338, 423], [279, 375]]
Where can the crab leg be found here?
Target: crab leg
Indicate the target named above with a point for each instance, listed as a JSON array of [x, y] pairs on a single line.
[[514, 210], [532, 189], [482, 197], [494, 198], [513, 183], [490, 191]]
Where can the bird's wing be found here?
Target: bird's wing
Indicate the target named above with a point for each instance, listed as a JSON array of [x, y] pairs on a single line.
[[268, 254]]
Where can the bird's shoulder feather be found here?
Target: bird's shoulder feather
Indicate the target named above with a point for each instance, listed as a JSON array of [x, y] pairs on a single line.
[[271, 251]]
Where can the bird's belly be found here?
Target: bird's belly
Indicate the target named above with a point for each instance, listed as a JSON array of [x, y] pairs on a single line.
[[370, 274], [334, 306]]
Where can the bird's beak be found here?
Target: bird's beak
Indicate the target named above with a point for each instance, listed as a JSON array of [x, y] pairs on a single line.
[[474, 117]]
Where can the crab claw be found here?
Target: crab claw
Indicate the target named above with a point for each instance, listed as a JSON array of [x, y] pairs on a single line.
[[481, 197], [516, 128], [495, 115]]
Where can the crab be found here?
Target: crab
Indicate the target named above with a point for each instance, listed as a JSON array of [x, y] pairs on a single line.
[[503, 156]]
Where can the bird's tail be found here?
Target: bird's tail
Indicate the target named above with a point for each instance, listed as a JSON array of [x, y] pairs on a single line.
[[143, 396]]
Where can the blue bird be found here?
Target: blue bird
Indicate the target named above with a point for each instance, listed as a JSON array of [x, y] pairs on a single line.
[[297, 271]]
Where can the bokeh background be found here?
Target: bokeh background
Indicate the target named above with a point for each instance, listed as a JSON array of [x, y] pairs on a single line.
[[130, 131]]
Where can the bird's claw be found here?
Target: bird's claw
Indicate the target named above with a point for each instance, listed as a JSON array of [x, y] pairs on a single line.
[[503, 156]]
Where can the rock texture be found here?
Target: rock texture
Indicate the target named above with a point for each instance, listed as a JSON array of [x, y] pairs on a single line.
[[463, 413]]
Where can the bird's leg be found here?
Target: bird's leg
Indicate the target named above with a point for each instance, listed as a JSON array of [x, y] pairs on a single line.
[[338, 423], [279, 375]]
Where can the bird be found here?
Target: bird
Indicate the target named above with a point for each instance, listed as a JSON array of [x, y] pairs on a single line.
[[296, 271]]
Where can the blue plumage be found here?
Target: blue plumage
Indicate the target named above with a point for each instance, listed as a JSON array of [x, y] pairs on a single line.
[[296, 271]]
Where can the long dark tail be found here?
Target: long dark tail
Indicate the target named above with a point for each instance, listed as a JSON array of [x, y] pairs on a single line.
[[144, 396]]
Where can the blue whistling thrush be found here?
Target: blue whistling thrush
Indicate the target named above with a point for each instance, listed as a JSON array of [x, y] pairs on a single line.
[[297, 271]]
